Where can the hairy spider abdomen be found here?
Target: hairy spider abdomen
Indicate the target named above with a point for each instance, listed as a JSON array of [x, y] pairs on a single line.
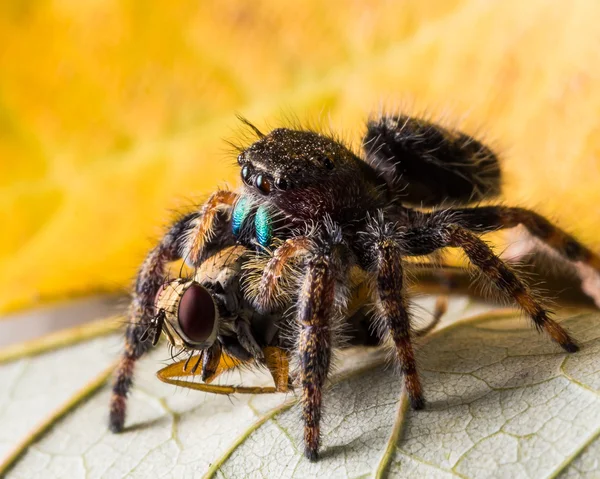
[[427, 164]]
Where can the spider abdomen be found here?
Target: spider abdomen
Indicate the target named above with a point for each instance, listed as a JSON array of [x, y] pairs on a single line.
[[426, 164]]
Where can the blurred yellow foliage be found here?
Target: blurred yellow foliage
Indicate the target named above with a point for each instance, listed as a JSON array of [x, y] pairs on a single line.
[[114, 112]]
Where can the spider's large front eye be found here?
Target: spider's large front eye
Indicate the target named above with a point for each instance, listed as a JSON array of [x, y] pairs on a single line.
[[197, 313], [263, 184], [246, 173]]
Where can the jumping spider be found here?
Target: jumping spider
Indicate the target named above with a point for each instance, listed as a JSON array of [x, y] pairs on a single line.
[[409, 195]]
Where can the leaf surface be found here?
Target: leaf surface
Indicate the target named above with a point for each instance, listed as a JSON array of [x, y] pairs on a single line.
[[502, 401]]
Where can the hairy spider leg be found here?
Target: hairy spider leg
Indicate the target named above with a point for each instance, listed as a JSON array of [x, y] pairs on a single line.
[[393, 312], [314, 315], [491, 218], [268, 289], [141, 312], [204, 228], [187, 237], [315, 307], [435, 235]]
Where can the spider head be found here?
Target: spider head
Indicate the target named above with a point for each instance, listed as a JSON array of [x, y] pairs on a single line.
[[287, 159], [303, 173]]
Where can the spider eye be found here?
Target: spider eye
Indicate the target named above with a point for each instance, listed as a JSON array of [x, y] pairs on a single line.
[[246, 173], [263, 184], [240, 159], [281, 184], [197, 313], [328, 163]]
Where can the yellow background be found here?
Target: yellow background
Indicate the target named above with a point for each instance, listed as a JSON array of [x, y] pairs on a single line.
[[114, 112]]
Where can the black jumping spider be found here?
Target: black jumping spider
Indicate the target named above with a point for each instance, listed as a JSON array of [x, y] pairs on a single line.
[[333, 212]]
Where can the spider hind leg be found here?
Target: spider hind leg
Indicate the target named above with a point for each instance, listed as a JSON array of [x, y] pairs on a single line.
[[436, 232], [481, 255], [549, 238]]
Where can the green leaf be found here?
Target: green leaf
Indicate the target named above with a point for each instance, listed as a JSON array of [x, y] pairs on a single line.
[[502, 402]]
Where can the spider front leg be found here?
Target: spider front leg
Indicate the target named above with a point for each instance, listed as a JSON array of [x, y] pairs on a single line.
[[268, 289], [189, 237], [202, 235], [436, 235], [314, 346], [141, 312]]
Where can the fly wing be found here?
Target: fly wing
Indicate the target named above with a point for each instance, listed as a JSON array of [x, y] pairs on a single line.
[[427, 165]]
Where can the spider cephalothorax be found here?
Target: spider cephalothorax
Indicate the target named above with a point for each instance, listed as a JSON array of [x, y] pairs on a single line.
[[332, 213], [306, 176]]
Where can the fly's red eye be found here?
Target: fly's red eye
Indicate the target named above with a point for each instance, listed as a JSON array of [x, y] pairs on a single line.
[[196, 314]]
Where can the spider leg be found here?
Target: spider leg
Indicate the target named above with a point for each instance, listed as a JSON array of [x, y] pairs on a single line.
[[188, 237], [386, 252], [491, 218], [141, 311], [435, 235], [447, 284], [268, 290], [441, 308], [203, 231], [315, 302]]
